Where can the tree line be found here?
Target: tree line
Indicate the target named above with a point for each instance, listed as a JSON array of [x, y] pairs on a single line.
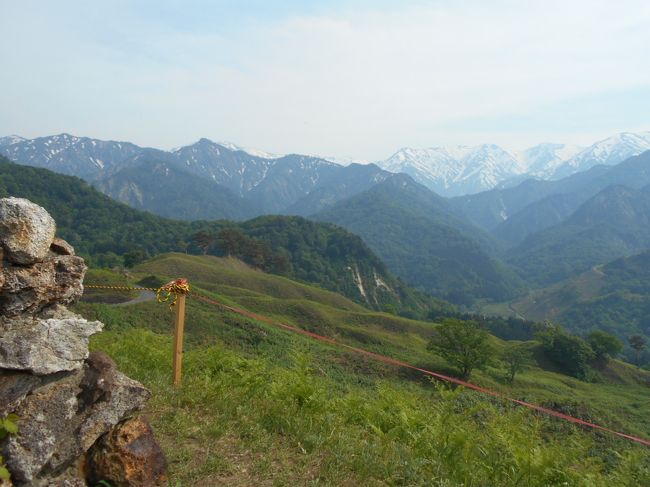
[[466, 345]]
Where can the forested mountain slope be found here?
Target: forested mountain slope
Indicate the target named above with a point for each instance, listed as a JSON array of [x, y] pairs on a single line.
[[511, 214], [614, 223], [424, 241], [109, 232], [161, 188]]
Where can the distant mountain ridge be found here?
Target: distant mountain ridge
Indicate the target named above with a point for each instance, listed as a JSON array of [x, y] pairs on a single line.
[[462, 170], [455, 170], [512, 214], [217, 181], [449, 171], [613, 223]]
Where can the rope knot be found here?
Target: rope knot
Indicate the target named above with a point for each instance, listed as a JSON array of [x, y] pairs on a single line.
[[172, 289]]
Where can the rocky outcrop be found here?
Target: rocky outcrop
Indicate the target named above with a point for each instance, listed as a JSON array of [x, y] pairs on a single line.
[[26, 230], [69, 401]]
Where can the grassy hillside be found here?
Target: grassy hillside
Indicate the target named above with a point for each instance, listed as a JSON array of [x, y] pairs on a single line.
[[264, 407]]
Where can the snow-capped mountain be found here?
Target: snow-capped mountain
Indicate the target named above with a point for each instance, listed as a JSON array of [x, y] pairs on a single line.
[[68, 154], [271, 183], [10, 139], [252, 152], [237, 170], [449, 171], [457, 170], [609, 151]]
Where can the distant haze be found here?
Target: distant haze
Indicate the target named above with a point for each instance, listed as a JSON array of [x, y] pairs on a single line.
[[355, 79]]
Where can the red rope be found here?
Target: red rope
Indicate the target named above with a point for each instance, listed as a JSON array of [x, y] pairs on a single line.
[[399, 363]]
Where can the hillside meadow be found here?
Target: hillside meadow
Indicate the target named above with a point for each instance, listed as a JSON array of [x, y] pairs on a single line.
[[262, 406]]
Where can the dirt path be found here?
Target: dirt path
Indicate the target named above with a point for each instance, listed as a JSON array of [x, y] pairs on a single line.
[[144, 296]]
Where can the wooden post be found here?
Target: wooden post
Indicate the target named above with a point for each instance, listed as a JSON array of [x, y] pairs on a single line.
[[178, 338]]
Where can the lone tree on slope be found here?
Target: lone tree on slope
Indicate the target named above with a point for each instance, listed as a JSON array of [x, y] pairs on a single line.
[[517, 356], [463, 344]]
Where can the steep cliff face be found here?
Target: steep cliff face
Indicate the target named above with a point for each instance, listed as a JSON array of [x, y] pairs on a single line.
[[68, 401]]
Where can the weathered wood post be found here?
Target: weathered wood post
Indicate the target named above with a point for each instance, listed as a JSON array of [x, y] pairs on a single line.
[[178, 338], [176, 291]]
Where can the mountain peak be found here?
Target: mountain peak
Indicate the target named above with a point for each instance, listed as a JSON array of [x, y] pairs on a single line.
[[455, 170], [608, 151]]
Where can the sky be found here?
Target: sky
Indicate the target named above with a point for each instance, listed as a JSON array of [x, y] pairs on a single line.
[[348, 79]]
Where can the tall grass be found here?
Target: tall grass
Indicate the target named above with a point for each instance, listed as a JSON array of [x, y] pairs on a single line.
[[251, 421]]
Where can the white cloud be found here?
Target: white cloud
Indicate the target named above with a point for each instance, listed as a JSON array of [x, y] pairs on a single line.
[[352, 83]]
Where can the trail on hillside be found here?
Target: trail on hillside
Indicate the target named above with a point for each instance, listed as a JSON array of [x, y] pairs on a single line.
[[145, 295]]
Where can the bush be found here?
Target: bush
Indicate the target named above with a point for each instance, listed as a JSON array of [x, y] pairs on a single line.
[[571, 354], [604, 345]]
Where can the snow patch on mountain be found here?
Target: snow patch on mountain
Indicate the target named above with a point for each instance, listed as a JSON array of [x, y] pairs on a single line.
[[252, 152], [449, 171], [543, 159], [11, 139]]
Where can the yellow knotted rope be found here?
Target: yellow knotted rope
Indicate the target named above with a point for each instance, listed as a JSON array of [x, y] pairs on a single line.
[[120, 288], [172, 288]]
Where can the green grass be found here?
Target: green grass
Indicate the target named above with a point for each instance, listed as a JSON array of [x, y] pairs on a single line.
[[249, 421], [357, 422]]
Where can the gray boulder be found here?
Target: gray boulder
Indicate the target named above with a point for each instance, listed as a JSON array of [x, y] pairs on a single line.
[[26, 230]]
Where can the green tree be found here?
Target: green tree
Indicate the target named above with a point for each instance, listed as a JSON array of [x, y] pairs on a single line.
[[463, 344], [604, 345], [204, 240], [134, 257], [638, 343], [230, 241], [516, 356], [571, 354]]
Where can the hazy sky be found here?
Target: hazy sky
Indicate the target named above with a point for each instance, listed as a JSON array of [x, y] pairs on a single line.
[[356, 79]]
